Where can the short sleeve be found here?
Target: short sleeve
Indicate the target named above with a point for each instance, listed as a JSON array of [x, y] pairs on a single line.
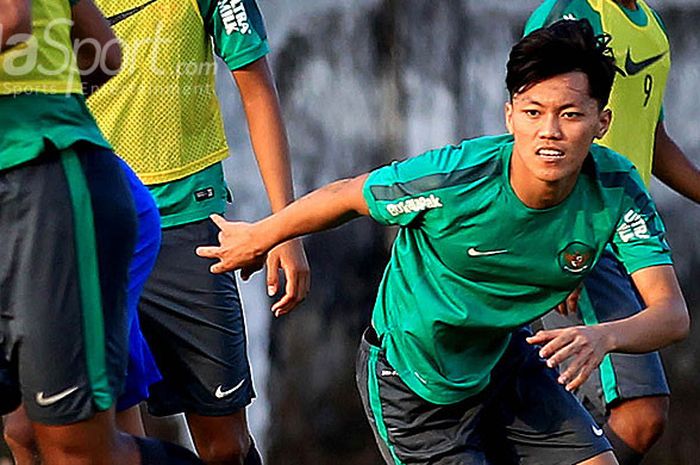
[[402, 192], [237, 29], [640, 235]]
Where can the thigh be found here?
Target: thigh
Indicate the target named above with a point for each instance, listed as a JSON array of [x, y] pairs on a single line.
[[71, 230], [543, 423], [408, 429], [193, 321]]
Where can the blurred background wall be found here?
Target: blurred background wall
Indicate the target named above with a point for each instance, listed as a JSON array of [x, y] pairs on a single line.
[[363, 82]]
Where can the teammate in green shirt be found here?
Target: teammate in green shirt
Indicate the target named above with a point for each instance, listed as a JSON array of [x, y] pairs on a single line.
[[68, 225], [493, 233], [630, 392]]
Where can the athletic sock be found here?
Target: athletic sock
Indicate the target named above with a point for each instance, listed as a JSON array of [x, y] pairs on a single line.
[[253, 457], [154, 452], [624, 453]]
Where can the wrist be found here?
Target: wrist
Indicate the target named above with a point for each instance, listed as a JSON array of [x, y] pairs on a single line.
[[609, 338]]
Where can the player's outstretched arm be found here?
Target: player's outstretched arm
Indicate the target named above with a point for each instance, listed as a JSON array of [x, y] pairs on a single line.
[[269, 140], [664, 321], [97, 49], [673, 167], [15, 19], [244, 246]]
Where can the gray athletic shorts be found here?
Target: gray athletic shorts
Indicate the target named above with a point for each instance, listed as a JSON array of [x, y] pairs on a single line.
[[522, 417], [193, 322], [609, 294], [68, 228]]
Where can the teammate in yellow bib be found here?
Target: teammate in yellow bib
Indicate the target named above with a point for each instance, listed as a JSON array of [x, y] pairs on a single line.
[[630, 394]]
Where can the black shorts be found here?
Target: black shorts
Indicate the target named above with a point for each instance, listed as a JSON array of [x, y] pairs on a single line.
[[609, 294], [193, 322], [68, 229], [522, 417]]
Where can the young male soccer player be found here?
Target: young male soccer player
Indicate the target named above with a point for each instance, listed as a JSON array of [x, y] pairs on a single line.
[[162, 115], [68, 228], [631, 390], [493, 233]]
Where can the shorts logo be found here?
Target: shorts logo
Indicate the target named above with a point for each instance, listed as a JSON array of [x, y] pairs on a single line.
[[597, 431], [50, 400], [220, 393], [576, 257], [414, 205], [234, 16], [634, 227]]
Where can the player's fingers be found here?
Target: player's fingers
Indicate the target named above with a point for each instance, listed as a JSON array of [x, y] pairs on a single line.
[[207, 251], [554, 345], [561, 309], [218, 220], [283, 305], [217, 268], [542, 336], [273, 274], [562, 354], [575, 366], [581, 378]]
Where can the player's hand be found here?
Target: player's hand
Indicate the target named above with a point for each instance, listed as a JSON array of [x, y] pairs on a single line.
[[237, 249], [291, 259], [584, 345], [570, 304]]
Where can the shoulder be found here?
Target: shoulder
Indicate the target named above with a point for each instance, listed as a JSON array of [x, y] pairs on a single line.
[[474, 156], [551, 11], [614, 171]]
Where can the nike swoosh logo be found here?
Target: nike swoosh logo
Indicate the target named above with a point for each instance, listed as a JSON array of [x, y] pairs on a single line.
[[597, 431], [472, 252], [220, 393], [119, 17], [632, 67], [46, 401]]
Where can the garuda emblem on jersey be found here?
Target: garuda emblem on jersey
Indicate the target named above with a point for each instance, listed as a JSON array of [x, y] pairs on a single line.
[[576, 257]]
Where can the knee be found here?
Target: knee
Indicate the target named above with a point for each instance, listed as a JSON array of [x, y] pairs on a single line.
[[18, 433], [640, 422], [224, 451]]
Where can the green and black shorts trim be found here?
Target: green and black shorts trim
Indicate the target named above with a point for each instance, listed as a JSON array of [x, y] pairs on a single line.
[[68, 225], [522, 417]]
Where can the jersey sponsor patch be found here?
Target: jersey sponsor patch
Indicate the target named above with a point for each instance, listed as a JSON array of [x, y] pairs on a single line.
[[634, 227], [233, 16], [576, 257], [414, 205]]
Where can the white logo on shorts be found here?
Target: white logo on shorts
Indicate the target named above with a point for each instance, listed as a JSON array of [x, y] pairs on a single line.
[[50, 400], [597, 431], [220, 393]]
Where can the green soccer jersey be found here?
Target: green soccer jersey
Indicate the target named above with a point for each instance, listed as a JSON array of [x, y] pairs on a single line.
[[471, 262], [642, 54]]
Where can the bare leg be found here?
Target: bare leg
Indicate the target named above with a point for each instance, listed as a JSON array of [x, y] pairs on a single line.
[[19, 437], [606, 458], [640, 422], [221, 440], [90, 442], [129, 421]]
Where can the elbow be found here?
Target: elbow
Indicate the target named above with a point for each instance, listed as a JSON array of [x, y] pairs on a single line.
[[15, 27], [679, 328]]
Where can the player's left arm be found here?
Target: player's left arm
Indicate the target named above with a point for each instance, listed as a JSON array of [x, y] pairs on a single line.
[[269, 140], [664, 321], [673, 167], [15, 20]]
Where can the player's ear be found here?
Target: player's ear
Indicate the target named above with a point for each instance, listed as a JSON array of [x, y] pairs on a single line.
[[509, 116], [604, 121]]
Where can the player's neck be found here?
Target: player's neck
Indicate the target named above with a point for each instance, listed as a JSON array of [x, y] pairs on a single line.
[[629, 4]]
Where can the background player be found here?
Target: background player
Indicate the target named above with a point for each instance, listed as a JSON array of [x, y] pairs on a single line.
[[444, 373], [162, 115], [68, 228], [631, 390]]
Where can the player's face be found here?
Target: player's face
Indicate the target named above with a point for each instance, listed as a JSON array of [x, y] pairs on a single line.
[[554, 123]]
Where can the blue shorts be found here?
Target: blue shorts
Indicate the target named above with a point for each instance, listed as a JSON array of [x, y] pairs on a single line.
[[142, 370], [609, 294]]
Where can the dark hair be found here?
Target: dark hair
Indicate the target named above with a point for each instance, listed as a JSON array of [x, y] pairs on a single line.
[[563, 47]]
